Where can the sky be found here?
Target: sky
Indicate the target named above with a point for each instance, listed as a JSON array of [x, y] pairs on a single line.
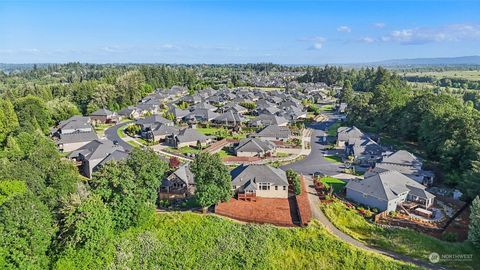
[[284, 32]]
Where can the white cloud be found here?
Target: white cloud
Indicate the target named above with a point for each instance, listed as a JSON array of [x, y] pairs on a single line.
[[344, 29], [379, 25], [422, 35], [317, 42], [367, 40]]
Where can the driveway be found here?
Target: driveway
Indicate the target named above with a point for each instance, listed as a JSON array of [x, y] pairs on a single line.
[[112, 135], [315, 161], [320, 216]]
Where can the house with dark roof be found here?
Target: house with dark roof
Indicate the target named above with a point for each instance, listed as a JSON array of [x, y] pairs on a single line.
[[129, 112], [251, 147], [387, 190], [104, 116], [273, 133], [178, 185], [229, 118], [200, 116], [203, 105], [96, 153], [178, 113], [251, 181], [156, 127], [268, 119], [188, 137], [365, 151], [405, 163], [73, 133], [344, 134]]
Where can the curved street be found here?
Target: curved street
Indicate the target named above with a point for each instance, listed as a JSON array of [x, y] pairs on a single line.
[[112, 134]]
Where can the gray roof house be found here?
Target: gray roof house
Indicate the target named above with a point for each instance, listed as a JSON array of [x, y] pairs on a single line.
[[201, 115], [268, 119], [96, 153], [188, 137], [273, 133], [344, 134], [229, 118], [178, 113], [178, 185], [252, 181], [129, 112], [73, 133], [388, 189], [407, 164], [251, 147], [155, 127], [203, 105], [104, 116], [365, 151]]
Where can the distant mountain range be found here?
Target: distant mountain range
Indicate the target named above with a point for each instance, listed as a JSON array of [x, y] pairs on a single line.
[[440, 61]]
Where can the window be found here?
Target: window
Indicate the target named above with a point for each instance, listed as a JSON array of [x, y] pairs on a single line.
[[284, 187], [276, 187], [264, 186]]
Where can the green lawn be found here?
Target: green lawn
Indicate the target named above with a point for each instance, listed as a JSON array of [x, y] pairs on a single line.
[[327, 108], [334, 159], [134, 144], [473, 75], [337, 184], [214, 131], [121, 133], [403, 241], [193, 241], [332, 130]]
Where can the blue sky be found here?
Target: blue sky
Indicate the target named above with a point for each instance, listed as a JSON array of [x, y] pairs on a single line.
[[313, 32]]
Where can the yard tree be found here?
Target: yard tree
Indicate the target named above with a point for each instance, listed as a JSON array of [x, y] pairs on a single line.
[[149, 170], [174, 163], [294, 179], [212, 179], [116, 185], [130, 86], [474, 227], [32, 114], [26, 231], [8, 119], [346, 94], [85, 222], [61, 109]]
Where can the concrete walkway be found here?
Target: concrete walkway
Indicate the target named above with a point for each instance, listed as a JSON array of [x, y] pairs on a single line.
[[320, 216]]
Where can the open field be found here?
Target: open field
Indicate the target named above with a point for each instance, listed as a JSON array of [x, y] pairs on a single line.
[[193, 241], [473, 75], [403, 241]]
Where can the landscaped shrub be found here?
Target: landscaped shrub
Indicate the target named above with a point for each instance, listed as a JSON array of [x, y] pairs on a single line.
[[294, 179]]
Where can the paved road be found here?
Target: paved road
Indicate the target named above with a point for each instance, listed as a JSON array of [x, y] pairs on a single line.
[[112, 135], [319, 215], [315, 161]]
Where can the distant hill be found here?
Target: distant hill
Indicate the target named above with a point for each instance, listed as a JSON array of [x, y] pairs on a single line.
[[440, 61]]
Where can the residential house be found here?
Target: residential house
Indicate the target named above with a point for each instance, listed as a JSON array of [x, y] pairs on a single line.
[[156, 127], [188, 137], [407, 164], [104, 116], [386, 190], [273, 133], [178, 113], [344, 134], [364, 151], [203, 105], [229, 118], [96, 153], [252, 181], [251, 147], [200, 116], [73, 133], [129, 112], [268, 119], [178, 185]]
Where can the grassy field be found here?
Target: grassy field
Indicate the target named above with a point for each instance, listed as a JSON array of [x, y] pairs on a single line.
[[192, 241], [473, 75], [332, 130], [403, 241], [333, 159], [337, 184]]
